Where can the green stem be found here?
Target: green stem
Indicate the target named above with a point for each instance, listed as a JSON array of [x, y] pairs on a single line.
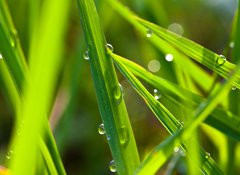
[[111, 104]]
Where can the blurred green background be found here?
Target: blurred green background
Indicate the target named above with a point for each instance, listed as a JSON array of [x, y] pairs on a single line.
[[75, 117]]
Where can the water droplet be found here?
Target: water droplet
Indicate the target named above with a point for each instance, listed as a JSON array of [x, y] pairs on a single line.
[[154, 65], [13, 38], [176, 149], [124, 136], [108, 137], [207, 155], [169, 57], [149, 33], [109, 47], [118, 93], [156, 94], [231, 44], [176, 28], [101, 129], [234, 88], [1, 57], [112, 166], [221, 59], [9, 154], [86, 55]]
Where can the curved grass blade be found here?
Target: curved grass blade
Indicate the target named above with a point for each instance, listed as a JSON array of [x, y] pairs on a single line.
[[179, 58], [224, 121], [111, 104], [10, 46], [165, 117], [13, 87], [182, 135], [36, 94]]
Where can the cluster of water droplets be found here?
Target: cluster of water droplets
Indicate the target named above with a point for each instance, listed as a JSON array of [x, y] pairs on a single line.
[[156, 94], [108, 46], [9, 154]]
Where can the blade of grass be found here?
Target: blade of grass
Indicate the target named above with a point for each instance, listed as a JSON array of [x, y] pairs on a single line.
[[11, 48], [11, 86], [224, 121], [165, 47], [165, 117], [36, 94], [111, 104], [234, 95], [200, 115]]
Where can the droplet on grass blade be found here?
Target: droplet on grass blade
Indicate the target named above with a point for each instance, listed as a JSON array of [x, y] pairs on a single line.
[[86, 55], [1, 57], [234, 88], [101, 129], [207, 155], [231, 44], [109, 47], [13, 38], [149, 33], [124, 136], [176, 149], [118, 93], [112, 166], [156, 94], [9, 154], [221, 59]]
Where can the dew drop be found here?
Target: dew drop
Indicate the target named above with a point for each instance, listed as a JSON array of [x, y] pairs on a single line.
[[9, 154], [13, 38], [124, 136], [108, 137], [149, 33], [1, 57], [169, 57], [112, 166], [231, 44], [207, 155], [109, 47], [156, 94], [221, 59], [234, 88], [118, 93], [101, 129], [86, 55], [176, 149]]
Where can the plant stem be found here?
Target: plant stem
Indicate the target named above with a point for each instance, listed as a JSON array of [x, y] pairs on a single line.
[[110, 98]]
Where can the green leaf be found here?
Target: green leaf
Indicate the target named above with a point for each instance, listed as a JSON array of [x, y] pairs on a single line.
[[109, 95], [171, 124], [223, 120]]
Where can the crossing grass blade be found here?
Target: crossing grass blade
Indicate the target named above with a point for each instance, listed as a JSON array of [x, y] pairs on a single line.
[[222, 120], [179, 136], [170, 122], [18, 167], [110, 101], [166, 47]]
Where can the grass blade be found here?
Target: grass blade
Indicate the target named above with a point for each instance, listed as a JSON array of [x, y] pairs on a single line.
[[166, 118], [111, 104], [224, 121], [200, 115], [46, 54]]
